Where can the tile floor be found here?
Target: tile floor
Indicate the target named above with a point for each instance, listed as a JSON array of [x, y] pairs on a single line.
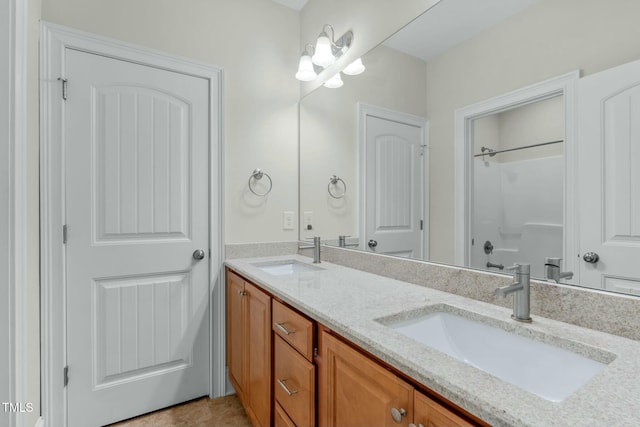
[[222, 412]]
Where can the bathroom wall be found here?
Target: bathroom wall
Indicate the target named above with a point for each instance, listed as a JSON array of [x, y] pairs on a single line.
[[523, 60], [329, 134], [5, 208], [256, 43]]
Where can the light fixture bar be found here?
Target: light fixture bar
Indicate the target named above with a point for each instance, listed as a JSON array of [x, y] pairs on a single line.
[[327, 50]]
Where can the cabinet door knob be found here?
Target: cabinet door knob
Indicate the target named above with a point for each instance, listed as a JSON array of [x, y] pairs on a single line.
[[397, 414]]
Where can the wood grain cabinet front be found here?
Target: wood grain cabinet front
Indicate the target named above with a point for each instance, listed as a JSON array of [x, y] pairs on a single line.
[[249, 347], [428, 413], [294, 384], [355, 390], [294, 328]]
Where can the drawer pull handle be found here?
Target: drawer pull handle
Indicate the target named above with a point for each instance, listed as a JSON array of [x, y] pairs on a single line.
[[285, 388], [282, 329]]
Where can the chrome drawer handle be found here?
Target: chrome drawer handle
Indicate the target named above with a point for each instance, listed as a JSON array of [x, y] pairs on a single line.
[[282, 329], [285, 388]]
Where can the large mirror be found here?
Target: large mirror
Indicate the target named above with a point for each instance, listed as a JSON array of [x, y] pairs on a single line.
[[378, 155]]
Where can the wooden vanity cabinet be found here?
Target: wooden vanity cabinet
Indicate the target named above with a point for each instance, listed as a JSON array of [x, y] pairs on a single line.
[[273, 356], [355, 390], [249, 347], [428, 413], [294, 373]]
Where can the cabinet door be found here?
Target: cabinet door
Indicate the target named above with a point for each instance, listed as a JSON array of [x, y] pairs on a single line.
[[258, 354], [428, 413], [235, 332], [356, 391]]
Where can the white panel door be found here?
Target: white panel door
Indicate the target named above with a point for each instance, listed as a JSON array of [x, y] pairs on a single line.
[[394, 187], [609, 168], [137, 208]]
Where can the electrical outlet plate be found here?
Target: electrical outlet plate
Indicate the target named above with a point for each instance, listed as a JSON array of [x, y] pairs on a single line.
[[308, 220]]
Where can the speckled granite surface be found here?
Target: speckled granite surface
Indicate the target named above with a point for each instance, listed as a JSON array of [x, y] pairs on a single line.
[[603, 311], [348, 301]]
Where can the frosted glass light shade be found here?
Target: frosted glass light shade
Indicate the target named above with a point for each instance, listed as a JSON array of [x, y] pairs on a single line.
[[355, 68], [334, 82], [305, 73], [323, 55]]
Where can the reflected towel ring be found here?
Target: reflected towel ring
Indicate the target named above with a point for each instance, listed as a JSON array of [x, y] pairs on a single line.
[[257, 176], [333, 180]]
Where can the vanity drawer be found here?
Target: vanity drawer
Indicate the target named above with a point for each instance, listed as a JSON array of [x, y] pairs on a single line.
[[294, 384], [294, 328], [280, 417]]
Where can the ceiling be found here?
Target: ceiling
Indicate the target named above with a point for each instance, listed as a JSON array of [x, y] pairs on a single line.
[[451, 22], [292, 4]]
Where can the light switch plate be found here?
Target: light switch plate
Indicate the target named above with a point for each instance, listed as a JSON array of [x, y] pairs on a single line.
[[288, 220]]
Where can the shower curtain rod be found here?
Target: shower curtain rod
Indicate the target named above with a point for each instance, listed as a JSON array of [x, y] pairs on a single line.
[[491, 152]]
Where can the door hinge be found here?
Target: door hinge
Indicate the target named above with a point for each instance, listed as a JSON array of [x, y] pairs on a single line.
[[422, 224], [64, 87], [66, 375], [64, 234], [315, 352]]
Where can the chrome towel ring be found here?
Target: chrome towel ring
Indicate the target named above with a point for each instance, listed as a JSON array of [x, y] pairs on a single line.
[[257, 176], [333, 183]]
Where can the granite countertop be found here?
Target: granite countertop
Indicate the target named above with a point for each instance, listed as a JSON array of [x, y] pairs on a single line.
[[349, 301]]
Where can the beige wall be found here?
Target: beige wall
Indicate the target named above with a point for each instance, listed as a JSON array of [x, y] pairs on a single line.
[[256, 43], [5, 208], [329, 134], [551, 38]]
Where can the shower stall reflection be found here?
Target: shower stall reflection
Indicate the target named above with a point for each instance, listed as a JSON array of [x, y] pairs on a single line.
[[518, 187]]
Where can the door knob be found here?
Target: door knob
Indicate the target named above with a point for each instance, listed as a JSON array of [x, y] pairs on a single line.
[[591, 257], [373, 243], [198, 254]]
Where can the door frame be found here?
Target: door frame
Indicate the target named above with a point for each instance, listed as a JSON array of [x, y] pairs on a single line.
[[364, 111], [54, 40], [565, 85]]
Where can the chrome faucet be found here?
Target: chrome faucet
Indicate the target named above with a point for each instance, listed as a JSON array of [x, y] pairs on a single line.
[[521, 290], [316, 249], [552, 270]]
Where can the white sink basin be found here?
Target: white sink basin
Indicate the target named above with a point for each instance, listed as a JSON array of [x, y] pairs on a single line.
[[286, 267], [550, 372]]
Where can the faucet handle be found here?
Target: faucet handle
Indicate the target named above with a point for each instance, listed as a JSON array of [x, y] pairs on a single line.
[[519, 268], [552, 261]]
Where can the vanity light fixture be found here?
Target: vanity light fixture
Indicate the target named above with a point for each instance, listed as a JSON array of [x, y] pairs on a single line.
[[355, 68], [306, 71], [327, 50], [334, 82]]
